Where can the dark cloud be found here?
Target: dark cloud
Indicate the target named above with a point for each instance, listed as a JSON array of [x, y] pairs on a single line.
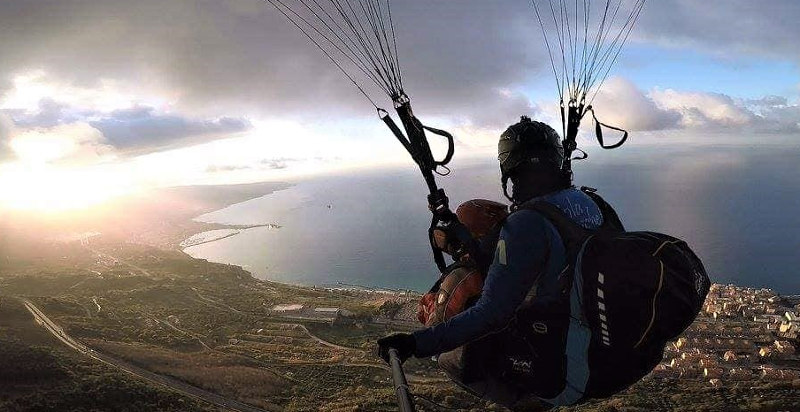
[[244, 57], [142, 127], [50, 113], [462, 60], [725, 27]]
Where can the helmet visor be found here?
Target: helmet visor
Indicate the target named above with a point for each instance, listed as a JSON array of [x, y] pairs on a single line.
[[505, 154]]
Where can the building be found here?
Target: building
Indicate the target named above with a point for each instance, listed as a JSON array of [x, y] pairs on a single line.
[[328, 311], [784, 347], [287, 308]]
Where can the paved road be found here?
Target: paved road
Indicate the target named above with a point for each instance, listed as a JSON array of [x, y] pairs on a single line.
[[174, 384]]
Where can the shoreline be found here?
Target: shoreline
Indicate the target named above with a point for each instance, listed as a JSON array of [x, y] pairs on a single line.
[[204, 227]]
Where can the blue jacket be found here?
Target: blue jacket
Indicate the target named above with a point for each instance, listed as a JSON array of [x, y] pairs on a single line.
[[529, 252]]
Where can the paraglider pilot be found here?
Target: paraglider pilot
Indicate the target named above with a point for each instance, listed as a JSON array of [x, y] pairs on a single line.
[[471, 346]]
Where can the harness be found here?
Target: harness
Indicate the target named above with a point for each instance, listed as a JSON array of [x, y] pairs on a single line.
[[579, 334]]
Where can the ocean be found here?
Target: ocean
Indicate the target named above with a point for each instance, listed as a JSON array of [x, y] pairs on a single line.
[[738, 207]]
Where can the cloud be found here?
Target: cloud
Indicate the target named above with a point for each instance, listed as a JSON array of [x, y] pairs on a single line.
[[225, 168], [77, 143], [704, 110], [277, 163], [142, 127], [622, 103], [6, 125], [139, 128], [210, 65], [49, 113], [245, 57], [776, 114], [281, 162], [724, 27]]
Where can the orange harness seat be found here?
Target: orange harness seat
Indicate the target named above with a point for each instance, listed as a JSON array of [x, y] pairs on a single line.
[[461, 285]]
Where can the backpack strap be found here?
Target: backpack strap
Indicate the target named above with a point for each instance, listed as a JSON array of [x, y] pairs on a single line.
[[572, 234], [611, 221], [578, 334]]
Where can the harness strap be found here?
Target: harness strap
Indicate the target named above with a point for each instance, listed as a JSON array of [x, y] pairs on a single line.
[[579, 334], [599, 132], [579, 337]]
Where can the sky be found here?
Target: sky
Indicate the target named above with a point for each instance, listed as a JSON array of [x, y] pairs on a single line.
[[100, 99]]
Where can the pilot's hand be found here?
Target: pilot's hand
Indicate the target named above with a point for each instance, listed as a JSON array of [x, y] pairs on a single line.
[[403, 342], [439, 205]]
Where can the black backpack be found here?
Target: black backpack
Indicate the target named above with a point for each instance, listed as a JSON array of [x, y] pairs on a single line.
[[639, 290]]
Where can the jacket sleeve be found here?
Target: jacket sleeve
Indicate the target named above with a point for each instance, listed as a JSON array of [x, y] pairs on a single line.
[[519, 260]]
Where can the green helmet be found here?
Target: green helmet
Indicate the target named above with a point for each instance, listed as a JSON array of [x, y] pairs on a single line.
[[529, 142]]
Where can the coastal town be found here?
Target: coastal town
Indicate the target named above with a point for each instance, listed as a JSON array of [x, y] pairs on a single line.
[[742, 334]]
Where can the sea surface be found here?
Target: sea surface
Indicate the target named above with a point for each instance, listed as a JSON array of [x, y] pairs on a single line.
[[738, 207]]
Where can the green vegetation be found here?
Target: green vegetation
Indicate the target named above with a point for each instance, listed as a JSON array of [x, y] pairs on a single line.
[[213, 327], [38, 373]]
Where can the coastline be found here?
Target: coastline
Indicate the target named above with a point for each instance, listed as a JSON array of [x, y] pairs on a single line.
[[202, 227]]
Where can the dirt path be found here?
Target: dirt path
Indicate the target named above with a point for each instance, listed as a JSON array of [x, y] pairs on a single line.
[[321, 341], [185, 332], [214, 303]]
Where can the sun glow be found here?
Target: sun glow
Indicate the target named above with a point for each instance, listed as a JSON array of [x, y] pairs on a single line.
[[45, 188], [62, 162]]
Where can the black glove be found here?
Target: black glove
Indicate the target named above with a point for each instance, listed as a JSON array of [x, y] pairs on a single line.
[[403, 342]]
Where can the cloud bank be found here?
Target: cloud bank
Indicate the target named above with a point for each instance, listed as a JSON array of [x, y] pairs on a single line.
[[153, 74], [622, 103]]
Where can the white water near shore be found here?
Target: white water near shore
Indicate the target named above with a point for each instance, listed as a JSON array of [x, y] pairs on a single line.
[[209, 236]]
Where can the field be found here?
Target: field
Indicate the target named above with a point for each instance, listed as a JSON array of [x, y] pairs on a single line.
[[212, 326], [208, 336], [38, 373]]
